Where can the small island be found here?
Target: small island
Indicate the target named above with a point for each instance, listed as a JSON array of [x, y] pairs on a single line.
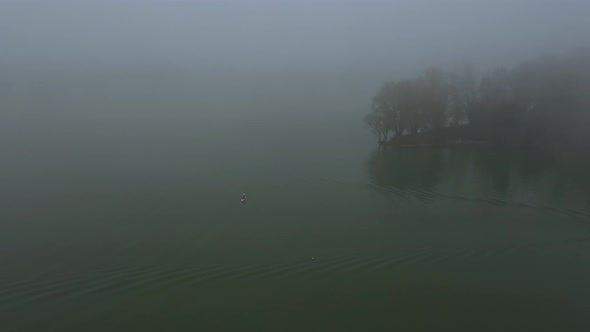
[[541, 103]]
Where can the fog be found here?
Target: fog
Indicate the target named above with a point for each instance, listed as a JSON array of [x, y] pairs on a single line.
[[385, 37], [81, 79], [380, 189]]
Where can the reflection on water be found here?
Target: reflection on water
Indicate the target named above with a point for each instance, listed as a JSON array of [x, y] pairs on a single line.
[[475, 173], [407, 168]]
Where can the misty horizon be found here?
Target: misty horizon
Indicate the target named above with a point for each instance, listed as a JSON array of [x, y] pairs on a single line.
[[401, 37]]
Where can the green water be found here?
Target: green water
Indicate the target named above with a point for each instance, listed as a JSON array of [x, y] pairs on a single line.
[[116, 221]]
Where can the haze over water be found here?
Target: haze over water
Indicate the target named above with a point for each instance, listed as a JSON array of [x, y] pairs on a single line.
[[123, 164]]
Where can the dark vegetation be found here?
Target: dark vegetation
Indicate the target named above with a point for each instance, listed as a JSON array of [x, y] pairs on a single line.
[[542, 103]]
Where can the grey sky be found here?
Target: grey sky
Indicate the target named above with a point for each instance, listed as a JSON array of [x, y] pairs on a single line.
[[258, 34]]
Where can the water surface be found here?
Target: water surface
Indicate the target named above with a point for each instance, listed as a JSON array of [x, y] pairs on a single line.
[[125, 215]]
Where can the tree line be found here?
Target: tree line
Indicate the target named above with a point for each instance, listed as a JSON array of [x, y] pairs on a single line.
[[543, 102]]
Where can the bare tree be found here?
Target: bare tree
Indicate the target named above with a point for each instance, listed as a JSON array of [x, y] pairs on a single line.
[[377, 125]]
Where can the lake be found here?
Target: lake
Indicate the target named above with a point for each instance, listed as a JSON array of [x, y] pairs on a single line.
[[124, 213]]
